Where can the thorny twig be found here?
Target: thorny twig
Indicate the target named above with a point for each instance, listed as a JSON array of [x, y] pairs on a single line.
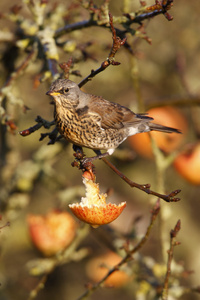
[[144, 187], [53, 135], [173, 243], [128, 257], [79, 163], [160, 7], [117, 43], [66, 68], [40, 122], [146, 12]]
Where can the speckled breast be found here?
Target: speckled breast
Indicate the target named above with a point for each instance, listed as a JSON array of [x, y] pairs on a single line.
[[87, 133]]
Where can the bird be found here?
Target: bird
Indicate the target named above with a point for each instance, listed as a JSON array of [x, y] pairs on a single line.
[[90, 121]]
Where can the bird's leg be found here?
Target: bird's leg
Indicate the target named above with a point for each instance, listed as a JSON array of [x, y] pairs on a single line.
[[98, 156], [78, 152], [79, 155], [77, 148]]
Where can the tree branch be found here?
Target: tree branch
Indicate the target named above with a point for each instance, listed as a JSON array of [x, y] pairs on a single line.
[[173, 243], [117, 43], [144, 187]]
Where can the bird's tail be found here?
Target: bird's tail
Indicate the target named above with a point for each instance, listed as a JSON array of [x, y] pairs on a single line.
[[157, 127]]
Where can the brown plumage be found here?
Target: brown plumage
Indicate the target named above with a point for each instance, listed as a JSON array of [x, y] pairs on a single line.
[[90, 121]]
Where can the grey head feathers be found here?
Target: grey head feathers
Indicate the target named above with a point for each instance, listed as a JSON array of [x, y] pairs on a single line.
[[65, 92]]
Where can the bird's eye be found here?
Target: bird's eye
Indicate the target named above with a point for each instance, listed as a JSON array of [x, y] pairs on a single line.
[[64, 91]]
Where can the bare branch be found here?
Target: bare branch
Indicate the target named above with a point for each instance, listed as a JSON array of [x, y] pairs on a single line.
[[117, 43], [144, 187], [42, 123], [145, 12], [173, 243]]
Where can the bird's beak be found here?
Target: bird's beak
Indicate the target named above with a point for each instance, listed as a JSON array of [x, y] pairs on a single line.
[[52, 93]]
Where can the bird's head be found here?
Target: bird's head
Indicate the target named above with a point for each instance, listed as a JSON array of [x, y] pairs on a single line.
[[64, 92]]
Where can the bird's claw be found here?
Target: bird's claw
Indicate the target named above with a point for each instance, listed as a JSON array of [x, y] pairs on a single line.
[[86, 160]]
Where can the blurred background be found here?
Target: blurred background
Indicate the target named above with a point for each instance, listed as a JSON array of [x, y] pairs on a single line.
[[37, 178]]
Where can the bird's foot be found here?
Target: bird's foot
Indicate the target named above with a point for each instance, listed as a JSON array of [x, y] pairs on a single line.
[[79, 154], [83, 162], [86, 160], [91, 159]]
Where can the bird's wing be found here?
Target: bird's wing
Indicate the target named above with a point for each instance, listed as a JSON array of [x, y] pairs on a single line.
[[109, 114], [114, 115]]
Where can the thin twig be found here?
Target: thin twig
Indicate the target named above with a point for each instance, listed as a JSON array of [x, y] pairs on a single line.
[[40, 123], [160, 7], [144, 187], [117, 43], [142, 14], [38, 288], [173, 243], [7, 224], [154, 213], [80, 164]]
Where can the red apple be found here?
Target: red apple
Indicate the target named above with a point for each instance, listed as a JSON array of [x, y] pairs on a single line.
[[167, 142], [187, 164], [99, 266], [52, 232]]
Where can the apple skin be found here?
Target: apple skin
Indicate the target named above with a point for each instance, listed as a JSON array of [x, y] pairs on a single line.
[[52, 232], [187, 163], [99, 266], [167, 142]]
